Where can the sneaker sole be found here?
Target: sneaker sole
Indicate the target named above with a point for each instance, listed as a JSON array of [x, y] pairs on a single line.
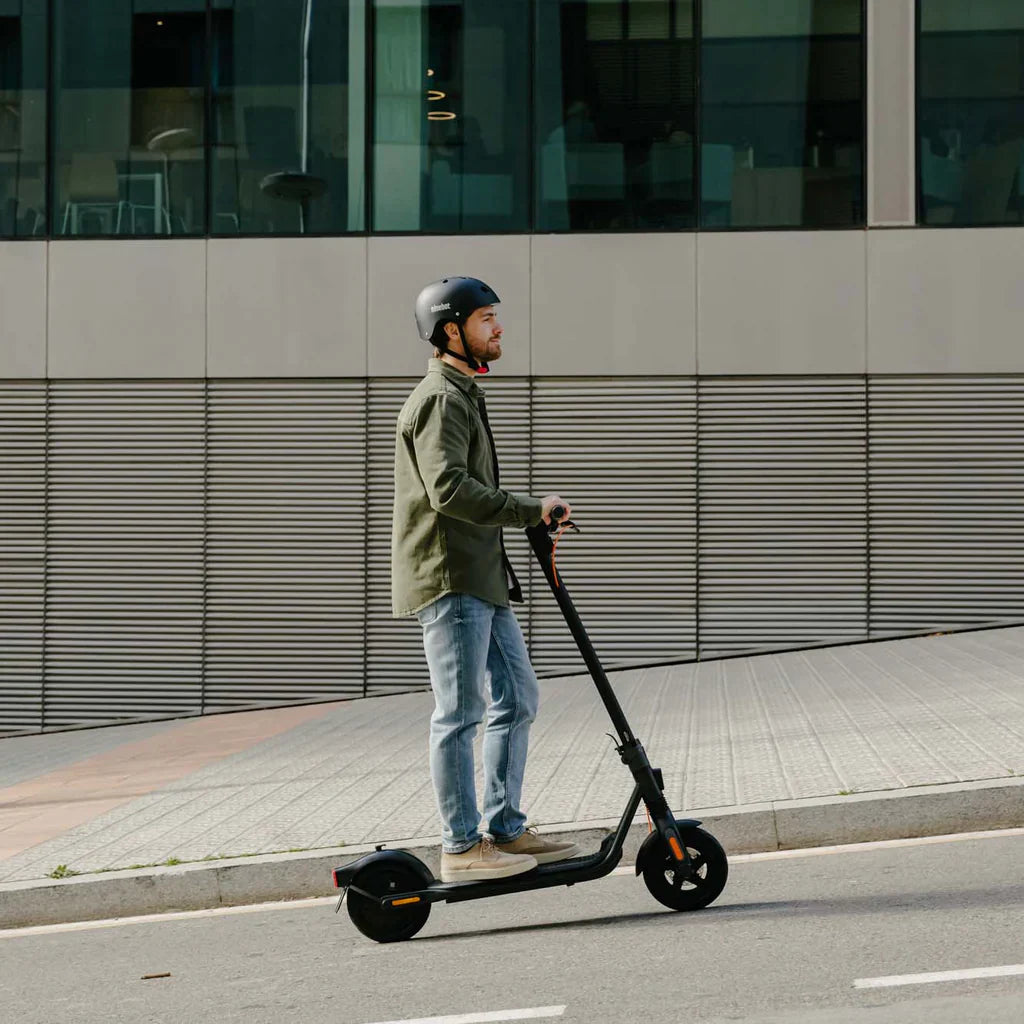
[[551, 858], [486, 874]]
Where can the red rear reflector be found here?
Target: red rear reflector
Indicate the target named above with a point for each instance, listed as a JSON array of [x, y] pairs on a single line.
[[334, 877]]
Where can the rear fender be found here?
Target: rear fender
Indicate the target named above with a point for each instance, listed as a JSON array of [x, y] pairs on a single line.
[[655, 837], [343, 876]]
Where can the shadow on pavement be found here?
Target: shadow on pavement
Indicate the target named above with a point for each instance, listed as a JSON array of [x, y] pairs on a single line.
[[871, 903]]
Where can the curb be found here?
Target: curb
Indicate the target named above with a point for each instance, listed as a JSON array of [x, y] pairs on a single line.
[[754, 828]]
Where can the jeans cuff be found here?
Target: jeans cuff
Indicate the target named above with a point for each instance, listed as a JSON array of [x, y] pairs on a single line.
[[461, 849], [501, 840]]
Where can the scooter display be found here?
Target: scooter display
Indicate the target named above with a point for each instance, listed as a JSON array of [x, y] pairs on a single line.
[[389, 892]]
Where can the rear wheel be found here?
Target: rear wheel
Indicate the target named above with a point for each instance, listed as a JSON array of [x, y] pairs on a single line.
[[687, 889], [387, 924]]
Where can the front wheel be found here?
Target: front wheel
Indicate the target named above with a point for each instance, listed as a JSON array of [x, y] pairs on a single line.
[[682, 889]]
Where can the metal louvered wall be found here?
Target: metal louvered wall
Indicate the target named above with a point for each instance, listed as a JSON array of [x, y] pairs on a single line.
[[22, 546], [168, 548], [285, 541], [508, 410], [394, 654], [124, 591], [623, 452], [947, 501], [783, 502]]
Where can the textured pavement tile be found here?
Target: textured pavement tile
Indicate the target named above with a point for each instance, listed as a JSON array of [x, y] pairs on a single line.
[[865, 718]]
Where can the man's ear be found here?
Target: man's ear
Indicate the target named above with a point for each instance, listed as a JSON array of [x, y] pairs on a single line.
[[452, 331]]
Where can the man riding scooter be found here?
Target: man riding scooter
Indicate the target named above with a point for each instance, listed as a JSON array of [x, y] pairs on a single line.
[[450, 569]]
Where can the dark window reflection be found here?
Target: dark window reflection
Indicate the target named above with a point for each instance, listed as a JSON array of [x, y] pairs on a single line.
[[782, 109], [129, 111], [22, 118], [614, 115], [451, 116], [971, 112], [288, 114]]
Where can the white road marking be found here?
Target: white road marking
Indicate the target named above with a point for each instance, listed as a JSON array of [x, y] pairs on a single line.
[[927, 979], [177, 915], [532, 1013], [629, 869], [882, 844]]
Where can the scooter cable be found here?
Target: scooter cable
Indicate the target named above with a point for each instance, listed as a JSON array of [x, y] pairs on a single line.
[[567, 525]]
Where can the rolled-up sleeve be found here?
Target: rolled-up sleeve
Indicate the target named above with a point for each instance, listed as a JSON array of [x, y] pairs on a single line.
[[440, 432]]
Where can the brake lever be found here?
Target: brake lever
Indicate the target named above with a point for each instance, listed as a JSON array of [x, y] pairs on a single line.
[[566, 524]]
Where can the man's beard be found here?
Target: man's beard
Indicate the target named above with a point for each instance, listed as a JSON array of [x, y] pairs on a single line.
[[480, 351]]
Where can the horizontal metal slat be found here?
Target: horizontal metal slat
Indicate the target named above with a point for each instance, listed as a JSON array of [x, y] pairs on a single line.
[[623, 452], [284, 552], [22, 553], [125, 539], [783, 512], [946, 479]]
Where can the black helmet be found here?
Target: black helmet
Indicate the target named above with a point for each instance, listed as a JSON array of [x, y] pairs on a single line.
[[452, 299]]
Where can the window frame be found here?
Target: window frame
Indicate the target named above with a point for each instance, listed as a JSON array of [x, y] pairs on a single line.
[[368, 84]]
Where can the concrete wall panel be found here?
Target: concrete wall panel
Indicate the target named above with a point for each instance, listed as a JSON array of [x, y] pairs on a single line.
[[946, 301], [286, 307], [22, 309], [781, 302], [614, 304], [127, 308]]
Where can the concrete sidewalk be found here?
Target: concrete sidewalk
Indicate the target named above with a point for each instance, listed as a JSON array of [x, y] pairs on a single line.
[[846, 744]]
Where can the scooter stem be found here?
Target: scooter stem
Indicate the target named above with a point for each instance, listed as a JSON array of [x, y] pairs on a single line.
[[540, 540], [630, 749]]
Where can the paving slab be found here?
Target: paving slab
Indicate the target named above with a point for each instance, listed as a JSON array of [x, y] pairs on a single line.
[[763, 733]]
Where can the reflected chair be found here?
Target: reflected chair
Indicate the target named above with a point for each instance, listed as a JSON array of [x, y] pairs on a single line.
[[582, 170], [227, 187], [272, 141], [32, 204], [942, 184], [989, 176], [717, 167], [469, 195], [166, 143], [671, 171], [581, 181], [93, 188]]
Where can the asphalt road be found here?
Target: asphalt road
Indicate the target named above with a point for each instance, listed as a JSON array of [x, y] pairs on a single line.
[[788, 941]]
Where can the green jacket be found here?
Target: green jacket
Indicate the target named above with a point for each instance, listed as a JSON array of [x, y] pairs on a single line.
[[449, 509]]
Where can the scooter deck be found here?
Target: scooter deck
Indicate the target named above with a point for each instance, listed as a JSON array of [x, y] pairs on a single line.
[[564, 872]]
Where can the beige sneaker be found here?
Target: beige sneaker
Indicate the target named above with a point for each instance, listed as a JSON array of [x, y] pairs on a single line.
[[482, 863], [544, 851]]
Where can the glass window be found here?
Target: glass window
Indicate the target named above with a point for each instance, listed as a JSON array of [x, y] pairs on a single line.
[[614, 115], [970, 113], [451, 116], [22, 118], [288, 116], [129, 117], [782, 113]]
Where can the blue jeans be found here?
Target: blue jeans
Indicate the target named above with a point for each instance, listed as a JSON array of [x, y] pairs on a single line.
[[466, 641]]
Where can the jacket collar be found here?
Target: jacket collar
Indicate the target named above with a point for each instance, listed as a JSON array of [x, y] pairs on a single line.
[[457, 377]]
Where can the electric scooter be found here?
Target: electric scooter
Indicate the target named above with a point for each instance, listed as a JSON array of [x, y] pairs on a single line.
[[389, 892]]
